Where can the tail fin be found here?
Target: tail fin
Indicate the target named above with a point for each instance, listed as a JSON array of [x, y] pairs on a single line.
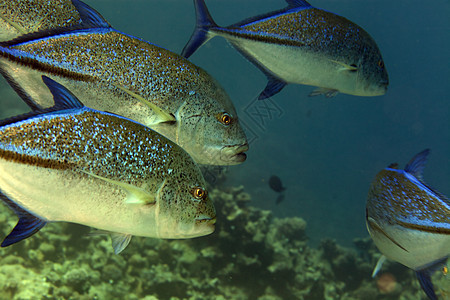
[[200, 34]]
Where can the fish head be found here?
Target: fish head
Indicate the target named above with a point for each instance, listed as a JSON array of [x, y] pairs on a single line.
[[209, 129], [372, 77], [185, 209]]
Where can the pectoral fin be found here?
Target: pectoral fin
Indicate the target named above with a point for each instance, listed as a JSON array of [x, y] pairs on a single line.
[[135, 195], [345, 67], [163, 116], [373, 226]]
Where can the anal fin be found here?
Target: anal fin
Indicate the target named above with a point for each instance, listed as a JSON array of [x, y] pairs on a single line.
[[273, 87], [163, 116], [27, 225]]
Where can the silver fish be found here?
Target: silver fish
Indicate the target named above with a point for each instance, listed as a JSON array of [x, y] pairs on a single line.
[[22, 17], [409, 221], [301, 44], [74, 164], [115, 72]]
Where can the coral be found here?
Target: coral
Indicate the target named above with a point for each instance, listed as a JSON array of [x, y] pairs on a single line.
[[251, 255]]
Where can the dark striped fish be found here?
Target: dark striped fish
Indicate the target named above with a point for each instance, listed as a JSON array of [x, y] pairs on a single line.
[[409, 221], [74, 164], [301, 44]]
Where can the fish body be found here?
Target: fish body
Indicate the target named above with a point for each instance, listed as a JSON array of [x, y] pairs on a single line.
[[115, 72], [100, 170], [276, 184], [21, 17], [304, 45], [409, 221]]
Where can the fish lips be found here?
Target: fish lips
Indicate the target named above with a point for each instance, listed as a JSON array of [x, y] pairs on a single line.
[[234, 154], [205, 225]]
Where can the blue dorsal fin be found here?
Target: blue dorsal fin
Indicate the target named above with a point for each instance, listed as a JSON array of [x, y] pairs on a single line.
[[90, 17], [27, 226], [297, 3], [417, 164], [63, 98], [274, 86]]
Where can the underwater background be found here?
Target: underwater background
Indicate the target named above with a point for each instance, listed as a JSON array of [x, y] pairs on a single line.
[[312, 245]]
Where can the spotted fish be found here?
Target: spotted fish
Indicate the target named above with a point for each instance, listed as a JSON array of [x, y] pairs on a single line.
[[111, 71], [22, 17], [301, 44], [74, 164], [409, 221]]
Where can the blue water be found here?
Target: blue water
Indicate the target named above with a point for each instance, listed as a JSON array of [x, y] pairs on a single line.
[[326, 151]]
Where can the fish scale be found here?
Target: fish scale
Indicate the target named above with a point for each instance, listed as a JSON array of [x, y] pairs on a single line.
[[406, 199], [74, 164], [408, 221], [115, 72], [18, 17]]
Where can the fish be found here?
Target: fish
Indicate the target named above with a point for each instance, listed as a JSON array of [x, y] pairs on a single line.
[[276, 185], [409, 221], [301, 44], [112, 71], [22, 17], [71, 163]]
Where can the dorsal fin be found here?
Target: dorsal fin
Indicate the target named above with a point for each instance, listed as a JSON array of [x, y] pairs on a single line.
[[417, 164], [89, 16], [297, 3], [63, 98]]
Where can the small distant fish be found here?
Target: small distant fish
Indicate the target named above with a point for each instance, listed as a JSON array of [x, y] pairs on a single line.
[[122, 74], [74, 164], [409, 221], [22, 17], [276, 185], [304, 45]]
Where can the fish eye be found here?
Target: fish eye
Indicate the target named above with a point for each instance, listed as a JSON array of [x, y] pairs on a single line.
[[381, 64], [225, 119], [199, 193]]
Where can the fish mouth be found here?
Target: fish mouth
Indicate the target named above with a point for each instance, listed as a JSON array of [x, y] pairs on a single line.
[[234, 154], [205, 220], [205, 225]]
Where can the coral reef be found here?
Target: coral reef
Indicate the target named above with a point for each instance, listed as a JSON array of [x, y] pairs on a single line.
[[252, 255]]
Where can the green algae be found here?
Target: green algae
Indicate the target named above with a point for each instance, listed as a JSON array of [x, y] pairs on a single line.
[[252, 255]]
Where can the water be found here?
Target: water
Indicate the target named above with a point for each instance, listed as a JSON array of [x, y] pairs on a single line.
[[326, 151]]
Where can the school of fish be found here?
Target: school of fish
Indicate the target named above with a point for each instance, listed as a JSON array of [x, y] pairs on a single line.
[[118, 124]]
